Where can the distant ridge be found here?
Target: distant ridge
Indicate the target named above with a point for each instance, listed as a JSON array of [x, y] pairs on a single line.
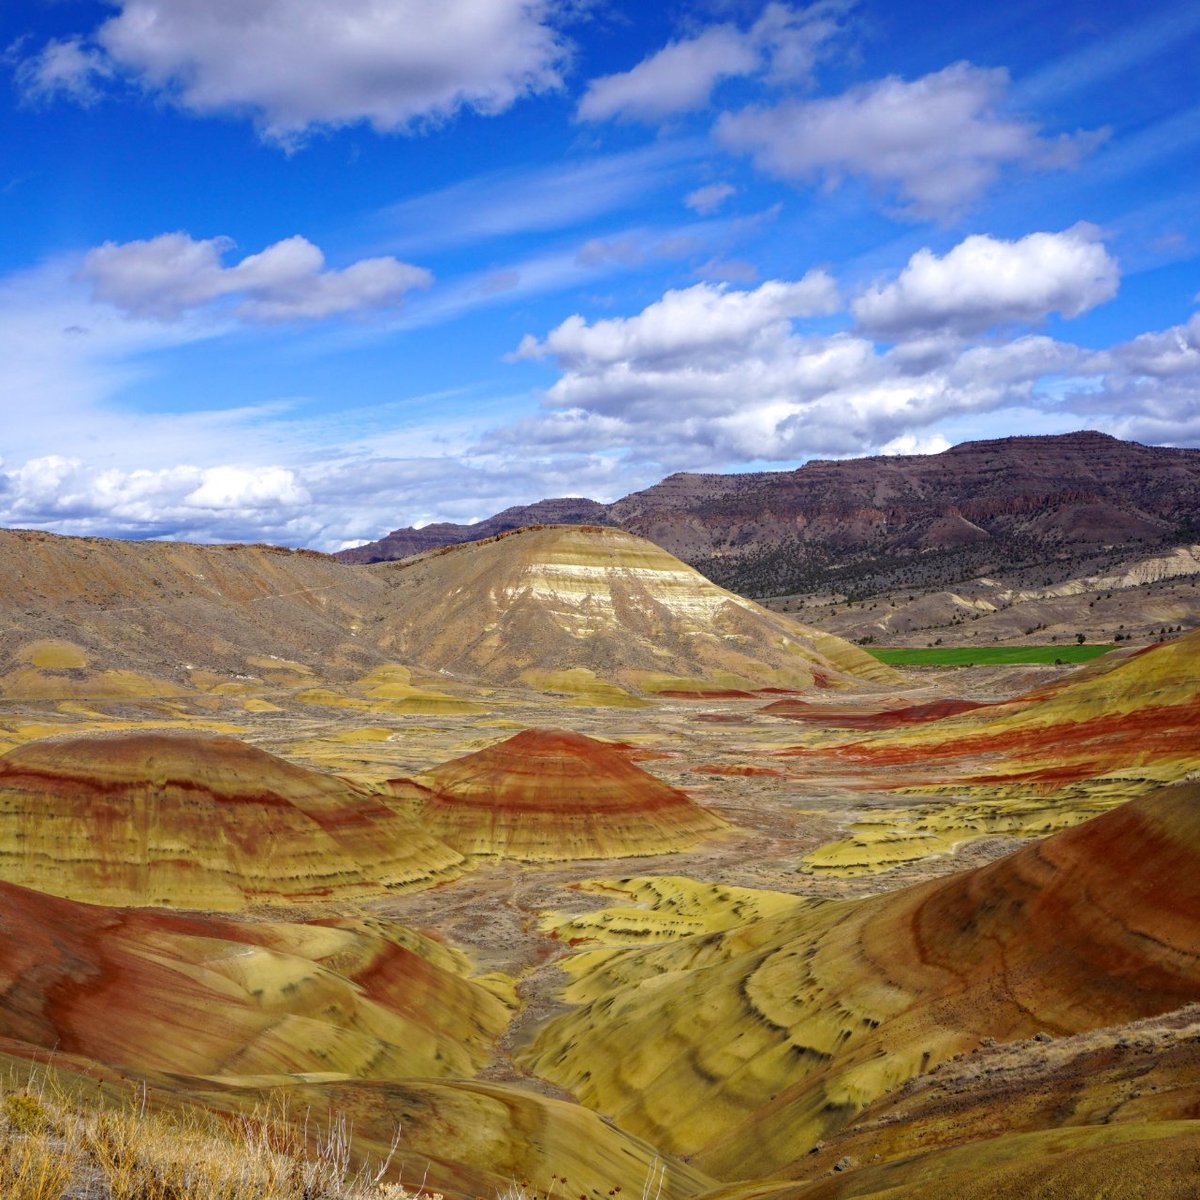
[[868, 523], [403, 543]]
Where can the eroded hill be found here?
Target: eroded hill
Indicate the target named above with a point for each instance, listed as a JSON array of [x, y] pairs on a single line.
[[567, 863], [1021, 508], [559, 606], [569, 609]]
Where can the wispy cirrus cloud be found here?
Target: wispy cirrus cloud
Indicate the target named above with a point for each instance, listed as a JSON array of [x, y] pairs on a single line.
[[67, 68], [540, 200], [706, 200], [782, 46], [1153, 31]]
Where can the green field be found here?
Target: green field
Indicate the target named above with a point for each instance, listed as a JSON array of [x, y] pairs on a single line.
[[980, 656]]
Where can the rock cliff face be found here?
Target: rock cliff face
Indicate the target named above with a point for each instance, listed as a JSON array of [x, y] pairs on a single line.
[[864, 523]]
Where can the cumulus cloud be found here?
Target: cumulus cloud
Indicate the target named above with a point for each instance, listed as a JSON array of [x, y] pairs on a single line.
[[688, 328], [224, 500], [910, 443], [165, 276], [344, 500], [1172, 354], [708, 199], [708, 377], [983, 282], [679, 78], [783, 44], [299, 64], [711, 377], [933, 144]]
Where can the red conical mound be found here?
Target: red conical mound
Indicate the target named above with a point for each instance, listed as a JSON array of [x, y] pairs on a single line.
[[552, 794]]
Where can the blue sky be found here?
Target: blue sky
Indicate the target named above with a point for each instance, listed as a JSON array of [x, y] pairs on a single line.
[[304, 272]]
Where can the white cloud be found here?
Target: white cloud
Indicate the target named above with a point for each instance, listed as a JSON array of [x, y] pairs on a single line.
[[688, 327], [911, 443], [983, 282], [708, 199], [299, 64], [165, 276], [679, 78], [707, 377], [728, 270], [64, 68], [222, 501], [598, 252], [239, 488], [1172, 354], [570, 193], [933, 144], [795, 39], [712, 377], [783, 44]]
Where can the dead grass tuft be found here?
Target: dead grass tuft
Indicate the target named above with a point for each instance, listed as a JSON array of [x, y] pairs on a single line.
[[56, 1147]]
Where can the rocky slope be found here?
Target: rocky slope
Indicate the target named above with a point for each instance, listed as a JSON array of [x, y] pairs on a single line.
[[1036, 505]]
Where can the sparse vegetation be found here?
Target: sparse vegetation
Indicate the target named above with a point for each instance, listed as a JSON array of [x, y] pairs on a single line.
[[54, 1146]]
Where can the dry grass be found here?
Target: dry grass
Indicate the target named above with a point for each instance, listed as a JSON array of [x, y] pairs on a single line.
[[54, 1147]]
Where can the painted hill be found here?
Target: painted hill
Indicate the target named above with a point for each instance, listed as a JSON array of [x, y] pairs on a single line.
[[79, 611], [540, 604], [752, 1046], [1027, 508], [550, 794], [585, 611], [1136, 714], [1110, 1111], [203, 996], [1045, 760], [195, 821]]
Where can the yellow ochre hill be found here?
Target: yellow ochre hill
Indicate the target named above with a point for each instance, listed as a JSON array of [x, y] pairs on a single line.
[[593, 613], [165, 609], [756, 1044], [542, 604], [198, 821]]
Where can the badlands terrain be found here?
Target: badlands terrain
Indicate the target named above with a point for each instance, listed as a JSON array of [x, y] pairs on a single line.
[[1005, 541], [589, 876]]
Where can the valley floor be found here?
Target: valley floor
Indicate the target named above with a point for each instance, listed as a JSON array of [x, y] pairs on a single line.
[[829, 797]]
